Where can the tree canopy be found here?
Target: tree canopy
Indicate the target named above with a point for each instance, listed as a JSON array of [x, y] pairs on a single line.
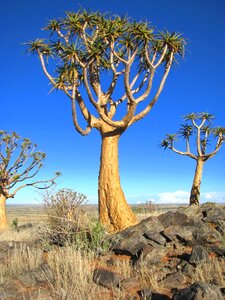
[[90, 49]]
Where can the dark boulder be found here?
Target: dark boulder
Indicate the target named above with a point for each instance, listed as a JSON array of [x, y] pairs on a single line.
[[107, 278], [198, 255], [199, 291]]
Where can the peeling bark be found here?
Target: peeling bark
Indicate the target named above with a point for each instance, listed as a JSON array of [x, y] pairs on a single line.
[[3, 219], [195, 190], [114, 212]]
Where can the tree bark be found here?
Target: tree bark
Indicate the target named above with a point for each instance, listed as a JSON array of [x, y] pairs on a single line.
[[114, 212], [195, 190], [3, 219]]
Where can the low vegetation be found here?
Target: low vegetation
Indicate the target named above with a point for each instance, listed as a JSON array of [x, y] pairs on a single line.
[[74, 252]]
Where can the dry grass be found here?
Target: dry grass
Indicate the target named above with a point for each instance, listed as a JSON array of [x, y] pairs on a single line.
[[213, 272], [27, 235], [73, 274], [19, 260]]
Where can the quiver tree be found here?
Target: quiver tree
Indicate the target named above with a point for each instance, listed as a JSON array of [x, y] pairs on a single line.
[[19, 164], [105, 66], [198, 128]]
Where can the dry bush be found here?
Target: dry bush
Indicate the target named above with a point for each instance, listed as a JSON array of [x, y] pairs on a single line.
[[66, 217], [69, 224]]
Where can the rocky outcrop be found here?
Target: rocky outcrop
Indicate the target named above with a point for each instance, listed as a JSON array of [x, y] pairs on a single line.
[[182, 247]]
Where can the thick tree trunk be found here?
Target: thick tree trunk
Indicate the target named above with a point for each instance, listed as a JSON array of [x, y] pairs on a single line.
[[3, 219], [114, 212], [195, 190]]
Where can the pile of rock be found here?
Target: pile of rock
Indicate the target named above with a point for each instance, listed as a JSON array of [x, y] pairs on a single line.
[[181, 246]]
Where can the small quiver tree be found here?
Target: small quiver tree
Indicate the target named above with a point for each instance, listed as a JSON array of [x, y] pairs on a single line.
[[105, 66], [19, 164], [197, 129]]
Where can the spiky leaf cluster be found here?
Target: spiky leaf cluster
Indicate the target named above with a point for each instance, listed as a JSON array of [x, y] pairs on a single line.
[[88, 38]]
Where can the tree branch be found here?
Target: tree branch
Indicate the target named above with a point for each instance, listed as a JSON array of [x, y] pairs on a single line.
[[154, 100]]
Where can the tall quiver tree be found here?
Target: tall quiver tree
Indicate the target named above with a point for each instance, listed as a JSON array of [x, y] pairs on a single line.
[[106, 63], [198, 125], [19, 164]]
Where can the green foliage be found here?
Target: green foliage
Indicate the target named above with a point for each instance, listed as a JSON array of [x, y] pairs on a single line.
[[89, 38], [14, 224]]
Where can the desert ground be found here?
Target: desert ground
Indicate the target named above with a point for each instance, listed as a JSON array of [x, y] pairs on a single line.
[[173, 252]]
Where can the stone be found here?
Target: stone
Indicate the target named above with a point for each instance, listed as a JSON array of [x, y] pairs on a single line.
[[192, 212], [151, 256], [183, 234], [218, 249], [131, 245], [204, 234], [187, 269], [107, 278], [198, 255], [220, 226], [130, 284], [174, 280], [151, 224], [199, 291], [213, 214], [145, 294], [156, 237], [173, 218]]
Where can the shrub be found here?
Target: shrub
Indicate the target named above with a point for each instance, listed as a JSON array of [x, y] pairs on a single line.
[[68, 223]]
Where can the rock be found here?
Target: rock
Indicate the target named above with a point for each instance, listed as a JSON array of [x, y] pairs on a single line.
[[198, 255], [199, 291], [151, 256], [173, 218], [41, 275], [204, 234], [218, 249], [131, 240], [29, 285], [145, 294], [107, 278], [220, 226], [182, 233], [130, 284], [213, 214], [151, 224], [193, 212], [131, 245], [187, 269], [156, 237], [174, 280]]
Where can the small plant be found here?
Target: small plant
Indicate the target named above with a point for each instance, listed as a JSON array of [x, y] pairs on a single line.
[[68, 223], [97, 242], [149, 207], [66, 218], [14, 224]]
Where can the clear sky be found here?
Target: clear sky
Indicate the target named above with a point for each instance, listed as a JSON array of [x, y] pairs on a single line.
[[147, 172]]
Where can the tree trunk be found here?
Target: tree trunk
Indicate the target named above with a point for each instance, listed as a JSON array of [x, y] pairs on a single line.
[[195, 190], [114, 212], [3, 219]]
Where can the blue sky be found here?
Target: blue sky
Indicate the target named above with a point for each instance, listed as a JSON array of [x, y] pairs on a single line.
[[147, 172]]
